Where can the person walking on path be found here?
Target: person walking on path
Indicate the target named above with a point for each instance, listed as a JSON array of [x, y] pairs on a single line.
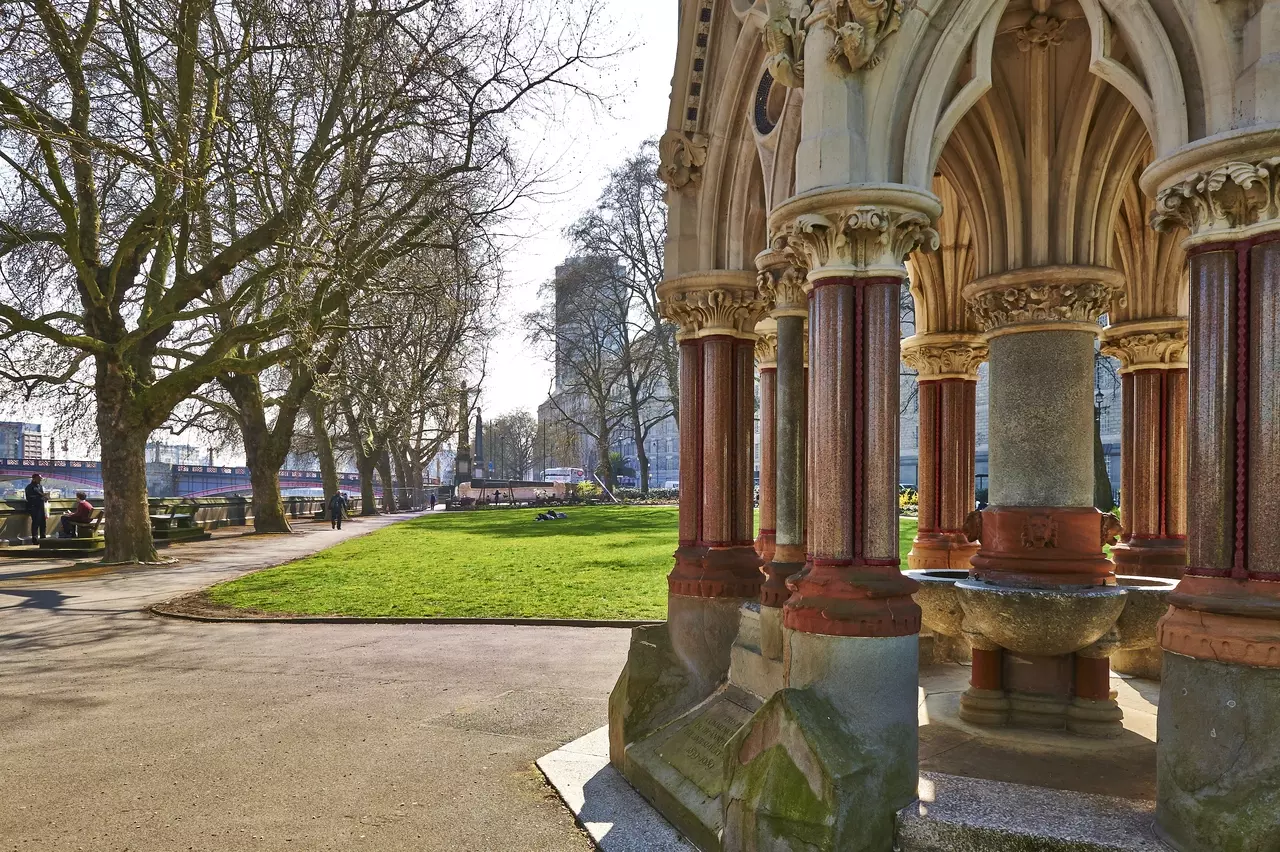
[[337, 508], [37, 508], [431, 501]]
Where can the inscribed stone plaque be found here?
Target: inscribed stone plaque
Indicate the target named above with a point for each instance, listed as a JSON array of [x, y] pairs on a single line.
[[696, 751]]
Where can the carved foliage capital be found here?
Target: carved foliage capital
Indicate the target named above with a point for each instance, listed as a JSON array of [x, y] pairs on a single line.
[[784, 286], [1021, 303], [702, 306], [864, 238], [1233, 196], [767, 349], [944, 356], [1148, 349], [680, 160]]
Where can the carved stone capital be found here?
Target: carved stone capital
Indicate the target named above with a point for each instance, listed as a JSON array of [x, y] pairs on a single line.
[[783, 283], [680, 160], [1147, 344], [767, 344], [1225, 186], [862, 232], [1043, 298], [720, 302], [860, 28], [783, 35], [944, 355]]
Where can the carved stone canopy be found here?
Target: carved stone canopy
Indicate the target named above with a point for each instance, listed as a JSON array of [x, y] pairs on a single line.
[[717, 302], [944, 355], [783, 283], [680, 160], [860, 232], [1155, 344], [1043, 298]]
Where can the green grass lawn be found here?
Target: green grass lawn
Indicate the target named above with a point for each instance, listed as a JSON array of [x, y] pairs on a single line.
[[602, 562]]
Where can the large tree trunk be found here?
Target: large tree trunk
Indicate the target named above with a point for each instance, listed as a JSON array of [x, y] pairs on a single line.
[[642, 458], [127, 517], [368, 500], [406, 498], [324, 450], [264, 452], [603, 462], [388, 484]]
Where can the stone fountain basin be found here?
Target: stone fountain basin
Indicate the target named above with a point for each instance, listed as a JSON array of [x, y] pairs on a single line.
[[1040, 622], [939, 603], [1147, 600]]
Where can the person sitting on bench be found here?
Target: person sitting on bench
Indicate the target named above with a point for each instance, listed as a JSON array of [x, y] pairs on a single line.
[[82, 513]]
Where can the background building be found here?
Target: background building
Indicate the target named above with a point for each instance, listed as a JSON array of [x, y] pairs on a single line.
[[21, 441]]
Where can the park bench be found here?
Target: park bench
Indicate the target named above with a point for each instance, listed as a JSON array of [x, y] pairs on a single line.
[[176, 526], [89, 528], [173, 520]]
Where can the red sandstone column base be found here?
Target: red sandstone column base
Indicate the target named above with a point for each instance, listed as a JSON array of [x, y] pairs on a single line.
[[941, 550], [716, 572], [1043, 547], [848, 598], [788, 561], [1151, 557], [765, 545]]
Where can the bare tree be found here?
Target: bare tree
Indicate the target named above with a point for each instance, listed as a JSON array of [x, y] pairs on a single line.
[[155, 154], [629, 222], [513, 438], [578, 324]]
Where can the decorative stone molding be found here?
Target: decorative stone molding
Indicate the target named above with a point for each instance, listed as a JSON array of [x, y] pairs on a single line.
[[944, 355], [721, 302], [783, 35], [857, 232], [783, 283], [1043, 297], [860, 28], [1042, 31], [1147, 344], [680, 159]]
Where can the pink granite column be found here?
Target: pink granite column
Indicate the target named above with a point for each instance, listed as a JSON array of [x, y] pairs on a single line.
[[854, 253], [947, 366], [1218, 753], [717, 313], [1153, 495]]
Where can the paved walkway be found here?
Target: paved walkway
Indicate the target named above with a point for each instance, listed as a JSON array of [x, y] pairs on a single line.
[[124, 731]]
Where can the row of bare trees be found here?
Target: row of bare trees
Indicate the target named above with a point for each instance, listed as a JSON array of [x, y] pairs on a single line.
[[238, 211], [616, 358]]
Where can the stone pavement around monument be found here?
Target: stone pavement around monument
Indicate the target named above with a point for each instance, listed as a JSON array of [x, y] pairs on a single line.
[[123, 730]]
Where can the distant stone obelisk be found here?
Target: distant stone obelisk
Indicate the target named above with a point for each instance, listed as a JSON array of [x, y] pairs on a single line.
[[479, 459], [462, 461]]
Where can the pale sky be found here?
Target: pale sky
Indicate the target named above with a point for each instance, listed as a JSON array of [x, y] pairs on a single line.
[[594, 141]]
